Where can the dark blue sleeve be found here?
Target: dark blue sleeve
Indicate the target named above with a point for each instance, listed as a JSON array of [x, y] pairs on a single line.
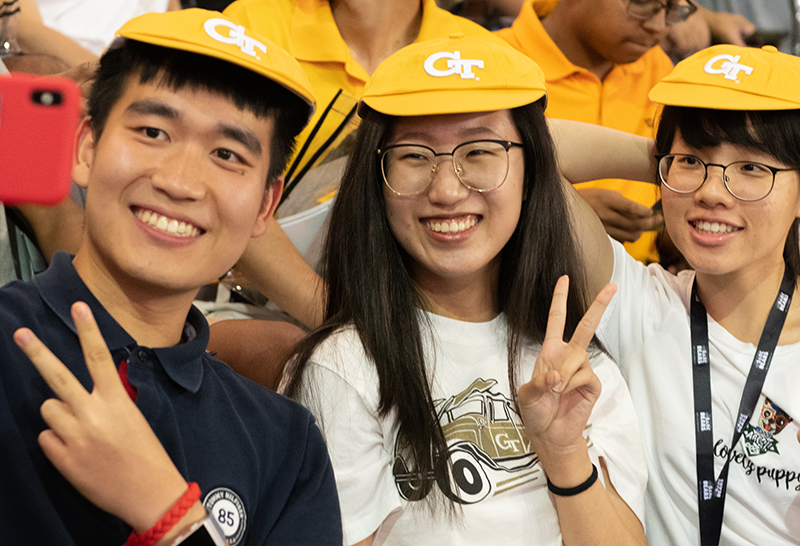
[[311, 514]]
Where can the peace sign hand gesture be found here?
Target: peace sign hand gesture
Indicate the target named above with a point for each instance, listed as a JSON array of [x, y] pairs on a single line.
[[100, 441], [556, 403]]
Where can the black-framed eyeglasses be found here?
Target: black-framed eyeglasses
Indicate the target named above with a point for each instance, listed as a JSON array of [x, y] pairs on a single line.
[[745, 180], [675, 12], [480, 165]]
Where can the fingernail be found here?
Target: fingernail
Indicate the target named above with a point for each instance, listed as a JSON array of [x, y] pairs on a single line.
[[23, 336], [80, 309]]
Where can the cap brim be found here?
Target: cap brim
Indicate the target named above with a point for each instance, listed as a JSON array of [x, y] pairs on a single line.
[[194, 47], [695, 95], [446, 101]]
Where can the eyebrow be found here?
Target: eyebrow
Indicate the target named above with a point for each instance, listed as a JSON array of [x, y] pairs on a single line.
[[480, 131], [152, 108], [473, 132], [244, 137]]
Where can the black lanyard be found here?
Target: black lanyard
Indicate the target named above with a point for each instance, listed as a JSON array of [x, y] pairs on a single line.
[[711, 491]]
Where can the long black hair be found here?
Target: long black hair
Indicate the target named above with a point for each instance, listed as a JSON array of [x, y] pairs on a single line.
[[371, 288], [773, 132]]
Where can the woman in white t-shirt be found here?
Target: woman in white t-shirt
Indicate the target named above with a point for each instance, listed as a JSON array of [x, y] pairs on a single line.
[[728, 159], [449, 239]]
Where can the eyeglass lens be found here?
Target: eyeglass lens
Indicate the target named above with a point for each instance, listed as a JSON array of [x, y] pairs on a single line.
[[480, 165], [647, 9], [745, 180]]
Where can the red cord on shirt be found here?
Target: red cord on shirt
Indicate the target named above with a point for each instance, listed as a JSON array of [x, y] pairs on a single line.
[[163, 526]]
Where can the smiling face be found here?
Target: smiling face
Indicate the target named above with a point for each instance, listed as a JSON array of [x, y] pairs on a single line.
[[175, 188], [452, 234], [721, 235]]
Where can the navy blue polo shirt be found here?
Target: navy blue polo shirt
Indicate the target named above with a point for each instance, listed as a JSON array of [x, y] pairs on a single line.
[[258, 457]]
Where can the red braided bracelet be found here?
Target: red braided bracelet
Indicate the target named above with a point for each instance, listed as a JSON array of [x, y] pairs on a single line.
[[163, 526]]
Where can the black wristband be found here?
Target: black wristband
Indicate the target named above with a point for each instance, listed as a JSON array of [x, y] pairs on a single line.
[[572, 491]]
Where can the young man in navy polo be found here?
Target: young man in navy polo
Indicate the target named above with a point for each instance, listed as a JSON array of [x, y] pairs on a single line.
[[191, 120]]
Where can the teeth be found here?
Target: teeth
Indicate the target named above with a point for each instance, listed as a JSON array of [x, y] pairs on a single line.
[[714, 227], [167, 225], [452, 226]]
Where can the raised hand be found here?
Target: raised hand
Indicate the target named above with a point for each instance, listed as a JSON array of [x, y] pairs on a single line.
[[100, 441], [556, 403], [623, 219]]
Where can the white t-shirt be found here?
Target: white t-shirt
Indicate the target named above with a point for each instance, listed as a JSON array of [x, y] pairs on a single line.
[[500, 480], [92, 23], [647, 330]]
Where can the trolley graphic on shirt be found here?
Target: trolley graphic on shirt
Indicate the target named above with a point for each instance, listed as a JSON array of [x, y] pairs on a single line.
[[488, 450]]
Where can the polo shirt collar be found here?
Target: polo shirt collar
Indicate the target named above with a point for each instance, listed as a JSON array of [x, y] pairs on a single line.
[[536, 43], [184, 362], [314, 36], [60, 286], [436, 22]]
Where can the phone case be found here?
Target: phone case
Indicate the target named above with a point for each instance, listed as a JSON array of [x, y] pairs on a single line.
[[38, 119]]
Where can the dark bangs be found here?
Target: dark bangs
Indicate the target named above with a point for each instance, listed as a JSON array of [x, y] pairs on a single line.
[[774, 132], [178, 69]]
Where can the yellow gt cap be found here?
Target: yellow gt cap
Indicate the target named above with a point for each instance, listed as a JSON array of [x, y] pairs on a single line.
[[728, 77], [453, 76], [212, 34]]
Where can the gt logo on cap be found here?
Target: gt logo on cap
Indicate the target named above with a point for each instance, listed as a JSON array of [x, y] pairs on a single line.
[[236, 36], [455, 65], [730, 67]]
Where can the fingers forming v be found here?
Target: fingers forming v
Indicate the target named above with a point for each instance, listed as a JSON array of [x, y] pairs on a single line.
[[558, 311], [588, 325], [56, 375], [95, 351]]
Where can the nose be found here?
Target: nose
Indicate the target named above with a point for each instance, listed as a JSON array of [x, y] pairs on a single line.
[[446, 188], [713, 191], [180, 175], [657, 24]]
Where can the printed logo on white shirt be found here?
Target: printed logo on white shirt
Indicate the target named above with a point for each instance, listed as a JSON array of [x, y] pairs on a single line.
[[729, 67], [488, 449], [236, 36], [455, 65], [762, 438]]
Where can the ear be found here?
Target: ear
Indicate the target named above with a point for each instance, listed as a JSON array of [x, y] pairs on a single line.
[[272, 198], [83, 153]]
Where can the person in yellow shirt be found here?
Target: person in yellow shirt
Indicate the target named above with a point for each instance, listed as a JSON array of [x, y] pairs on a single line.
[[339, 44], [600, 59]]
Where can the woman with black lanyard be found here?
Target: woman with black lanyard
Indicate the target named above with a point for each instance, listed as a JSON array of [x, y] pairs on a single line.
[[712, 355]]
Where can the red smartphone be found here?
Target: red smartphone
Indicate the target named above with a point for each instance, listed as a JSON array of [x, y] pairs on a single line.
[[38, 119]]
